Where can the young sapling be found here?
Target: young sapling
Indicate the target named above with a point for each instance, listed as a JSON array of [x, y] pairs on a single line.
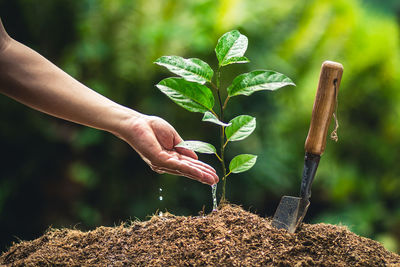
[[190, 92]]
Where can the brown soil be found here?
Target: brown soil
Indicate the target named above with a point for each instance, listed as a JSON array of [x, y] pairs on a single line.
[[228, 237]]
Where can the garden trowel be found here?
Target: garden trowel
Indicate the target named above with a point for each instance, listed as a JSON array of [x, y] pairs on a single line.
[[291, 210]]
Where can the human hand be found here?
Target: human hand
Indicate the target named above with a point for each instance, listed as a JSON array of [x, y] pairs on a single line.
[[155, 140]]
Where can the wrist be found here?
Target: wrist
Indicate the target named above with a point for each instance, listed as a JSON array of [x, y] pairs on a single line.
[[4, 38], [125, 118]]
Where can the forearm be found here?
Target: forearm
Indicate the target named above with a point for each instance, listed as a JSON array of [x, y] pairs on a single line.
[[33, 80]]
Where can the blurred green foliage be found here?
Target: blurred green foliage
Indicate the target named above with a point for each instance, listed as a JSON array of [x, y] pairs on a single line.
[[57, 173]]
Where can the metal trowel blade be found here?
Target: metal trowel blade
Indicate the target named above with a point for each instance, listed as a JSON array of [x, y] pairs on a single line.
[[290, 213]]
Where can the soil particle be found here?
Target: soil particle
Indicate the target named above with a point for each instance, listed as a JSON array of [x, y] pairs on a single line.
[[230, 236]]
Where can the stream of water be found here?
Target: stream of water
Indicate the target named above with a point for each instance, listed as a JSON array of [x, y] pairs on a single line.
[[214, 196]]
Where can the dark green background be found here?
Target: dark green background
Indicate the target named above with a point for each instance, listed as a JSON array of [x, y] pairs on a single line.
[[55, 173]]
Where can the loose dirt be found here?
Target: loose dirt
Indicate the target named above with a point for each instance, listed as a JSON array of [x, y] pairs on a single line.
[[229, 237]]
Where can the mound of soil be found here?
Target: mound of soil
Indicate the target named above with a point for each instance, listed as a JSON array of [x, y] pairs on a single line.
[[229, 236]]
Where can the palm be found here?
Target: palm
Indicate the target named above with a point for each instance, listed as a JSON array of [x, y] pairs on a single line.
[[155, 140]]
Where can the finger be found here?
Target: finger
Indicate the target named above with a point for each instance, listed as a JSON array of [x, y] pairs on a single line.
[[187, 167], [157, 170], [199, 165], [207, 169], [197, 162], [174, 172], [181, 150], [187, 170], [179, 168], [178, 173], [186, 152]]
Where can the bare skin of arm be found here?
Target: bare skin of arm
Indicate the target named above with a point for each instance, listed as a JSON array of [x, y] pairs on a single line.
[[29, 78]]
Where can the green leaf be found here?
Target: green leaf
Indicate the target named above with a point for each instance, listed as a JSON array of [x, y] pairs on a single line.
[[241, 127], [237, 60], [248, 83], [198, 146], [192, 69], [231, 48], [208, 116], [191, 96], [242, 163]]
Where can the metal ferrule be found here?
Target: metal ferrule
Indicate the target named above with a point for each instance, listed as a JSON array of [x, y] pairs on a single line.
[[311, 162]]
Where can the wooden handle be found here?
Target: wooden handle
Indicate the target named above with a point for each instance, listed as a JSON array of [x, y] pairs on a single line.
[[324, 106]]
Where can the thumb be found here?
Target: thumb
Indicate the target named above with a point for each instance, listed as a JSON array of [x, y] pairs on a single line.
[[181, 150]]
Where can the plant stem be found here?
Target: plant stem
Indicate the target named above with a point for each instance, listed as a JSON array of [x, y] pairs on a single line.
[[225, 103], [221, 106], [216, 154], [223, 163], [214, 86], [226, 142]]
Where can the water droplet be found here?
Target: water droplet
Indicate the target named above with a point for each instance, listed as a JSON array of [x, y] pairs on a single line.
[[160, 198]]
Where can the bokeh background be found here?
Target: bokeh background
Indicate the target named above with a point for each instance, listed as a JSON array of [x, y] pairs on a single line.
[[56, 173]]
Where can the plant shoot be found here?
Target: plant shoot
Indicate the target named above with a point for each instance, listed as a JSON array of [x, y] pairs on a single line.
[[197, 87]]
